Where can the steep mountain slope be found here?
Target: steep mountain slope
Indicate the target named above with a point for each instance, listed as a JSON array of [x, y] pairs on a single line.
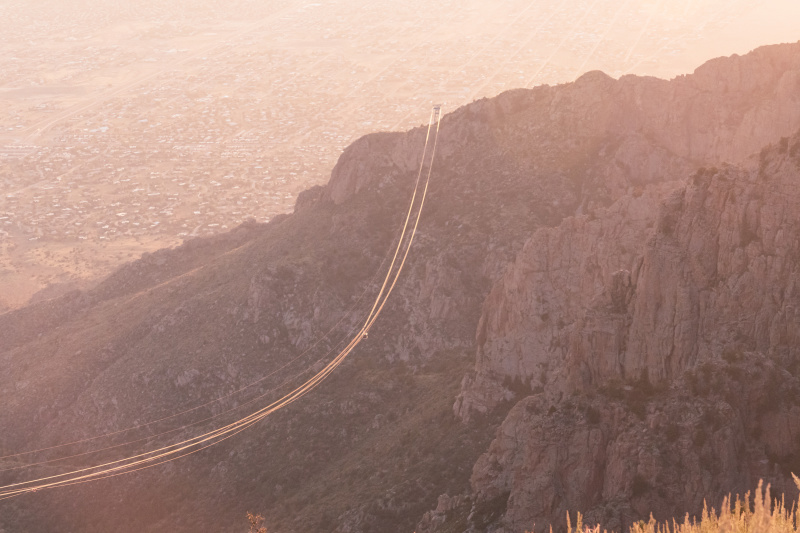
[[669, 368], [371, 449]]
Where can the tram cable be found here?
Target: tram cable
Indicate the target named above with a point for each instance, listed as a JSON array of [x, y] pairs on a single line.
[[192, 445], [252, 384]]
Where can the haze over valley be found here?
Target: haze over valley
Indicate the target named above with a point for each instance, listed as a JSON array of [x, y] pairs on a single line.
[[128, 127]]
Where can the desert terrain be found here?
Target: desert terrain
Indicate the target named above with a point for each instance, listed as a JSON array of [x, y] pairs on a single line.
[[125, 128]]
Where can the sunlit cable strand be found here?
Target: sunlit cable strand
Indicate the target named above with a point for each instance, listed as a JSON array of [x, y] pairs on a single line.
[[211, 402], [408, 215], [183, 427], [105, 474], [371, 318], [177, 448], [151, 437], [258, 415], [126, 472], [399, 244], [413, 233], [70, 483], [154, 455], [189, 443]]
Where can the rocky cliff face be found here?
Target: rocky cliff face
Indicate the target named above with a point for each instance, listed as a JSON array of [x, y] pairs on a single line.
[[665, 344], [531, 315], [625, 451], [373, 448], [640, 289], [720, 272]]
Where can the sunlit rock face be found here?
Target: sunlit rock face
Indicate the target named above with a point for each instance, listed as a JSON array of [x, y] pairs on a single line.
[[620, 455], [655, 349], [725, 112], [530, 318], [720, 272]]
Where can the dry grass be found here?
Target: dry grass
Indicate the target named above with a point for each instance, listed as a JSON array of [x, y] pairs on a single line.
[[762, 515]]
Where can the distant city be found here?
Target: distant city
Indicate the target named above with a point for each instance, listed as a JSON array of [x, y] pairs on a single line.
[[131, 126]]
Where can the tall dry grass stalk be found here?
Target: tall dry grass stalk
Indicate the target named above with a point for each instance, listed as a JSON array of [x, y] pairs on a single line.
[[764, 515]]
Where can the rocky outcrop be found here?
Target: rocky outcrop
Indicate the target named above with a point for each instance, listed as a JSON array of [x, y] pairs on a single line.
[[646, 290], [624, 452], [180, 327], [718, 274], [636, 130], [732, 116], [370, 160], [532, 314], [721, 271], [677, 347]]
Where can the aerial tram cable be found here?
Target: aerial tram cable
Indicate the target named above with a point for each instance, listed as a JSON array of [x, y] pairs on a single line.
[[243, 423], [169, 453], [166, 451], [185, 426], [437, 111], [434, 113], [211, 437], [197, 407], [167, 432]]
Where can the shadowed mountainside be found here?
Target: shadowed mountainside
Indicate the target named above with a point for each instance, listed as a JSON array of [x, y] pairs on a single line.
[[373, 447]]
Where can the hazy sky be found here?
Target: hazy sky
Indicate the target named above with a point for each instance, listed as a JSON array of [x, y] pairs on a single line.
[[749, 24]]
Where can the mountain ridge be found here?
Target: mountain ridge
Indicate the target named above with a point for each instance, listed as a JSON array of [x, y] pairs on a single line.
[[707, 406], [207, 318]]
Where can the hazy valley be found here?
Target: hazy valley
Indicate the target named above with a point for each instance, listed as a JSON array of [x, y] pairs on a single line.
[[599, 314], [129, 128]]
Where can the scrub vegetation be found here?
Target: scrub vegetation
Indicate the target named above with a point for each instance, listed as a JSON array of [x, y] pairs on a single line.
[[759, 514]]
